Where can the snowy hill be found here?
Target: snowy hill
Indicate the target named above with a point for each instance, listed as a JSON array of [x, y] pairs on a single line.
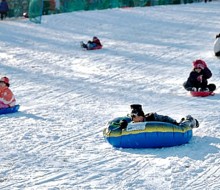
[[67, 95]]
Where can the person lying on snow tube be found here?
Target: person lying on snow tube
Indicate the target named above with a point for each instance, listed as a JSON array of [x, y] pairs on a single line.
[[7, 98], [137, 115], [92, 45], [217, 45], [197, 80]]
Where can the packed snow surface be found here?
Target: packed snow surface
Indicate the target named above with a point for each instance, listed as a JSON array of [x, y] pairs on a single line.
[[67, 95]]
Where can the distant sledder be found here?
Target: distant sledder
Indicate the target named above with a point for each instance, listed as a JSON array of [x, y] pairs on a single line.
[[217, 46], [197, 82], [4, 9], [92, 45]]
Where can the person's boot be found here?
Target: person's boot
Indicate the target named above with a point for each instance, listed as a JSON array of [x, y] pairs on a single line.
[[189, 121], [83, 45]]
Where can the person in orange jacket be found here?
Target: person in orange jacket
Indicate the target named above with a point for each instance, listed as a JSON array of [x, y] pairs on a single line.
[[7, 98]]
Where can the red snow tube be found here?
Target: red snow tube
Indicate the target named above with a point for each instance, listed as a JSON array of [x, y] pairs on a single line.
[[201, 94]]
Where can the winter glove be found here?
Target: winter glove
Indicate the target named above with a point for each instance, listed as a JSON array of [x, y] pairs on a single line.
[[199, 78], [123, 124], [201, 66]]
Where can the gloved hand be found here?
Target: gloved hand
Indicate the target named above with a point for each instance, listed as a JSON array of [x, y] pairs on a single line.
[[123, 124], [199, 78], [201, 66]]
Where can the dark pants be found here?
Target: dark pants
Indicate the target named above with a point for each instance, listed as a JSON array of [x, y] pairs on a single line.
[[211, 87], [3, 15]]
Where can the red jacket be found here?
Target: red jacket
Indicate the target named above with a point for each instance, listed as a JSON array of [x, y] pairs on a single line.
[[97, 42], [7, 98]]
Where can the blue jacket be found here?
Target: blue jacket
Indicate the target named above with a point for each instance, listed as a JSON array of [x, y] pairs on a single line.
[[4, 6]]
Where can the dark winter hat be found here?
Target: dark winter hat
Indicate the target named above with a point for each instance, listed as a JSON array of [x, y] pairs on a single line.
[[136, 110]]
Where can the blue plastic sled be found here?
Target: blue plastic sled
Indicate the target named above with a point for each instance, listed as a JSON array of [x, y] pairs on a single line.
[[9, 110]]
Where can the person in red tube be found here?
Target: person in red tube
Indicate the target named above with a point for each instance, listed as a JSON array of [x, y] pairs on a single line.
[[92, 45], [198, 78], [7, 98]]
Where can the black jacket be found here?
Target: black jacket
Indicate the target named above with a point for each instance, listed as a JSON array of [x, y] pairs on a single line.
[[193, 81]]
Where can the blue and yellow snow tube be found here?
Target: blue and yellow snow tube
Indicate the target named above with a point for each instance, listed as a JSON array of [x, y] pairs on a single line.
[[151, 134]]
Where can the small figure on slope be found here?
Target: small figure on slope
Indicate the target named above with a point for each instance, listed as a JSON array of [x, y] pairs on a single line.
[[92, 45], [198, 78], [137, 115], [217, 45], [4, 9], [7, 98]]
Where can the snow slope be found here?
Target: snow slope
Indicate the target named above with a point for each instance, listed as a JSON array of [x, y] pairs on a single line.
[[67, 95]]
